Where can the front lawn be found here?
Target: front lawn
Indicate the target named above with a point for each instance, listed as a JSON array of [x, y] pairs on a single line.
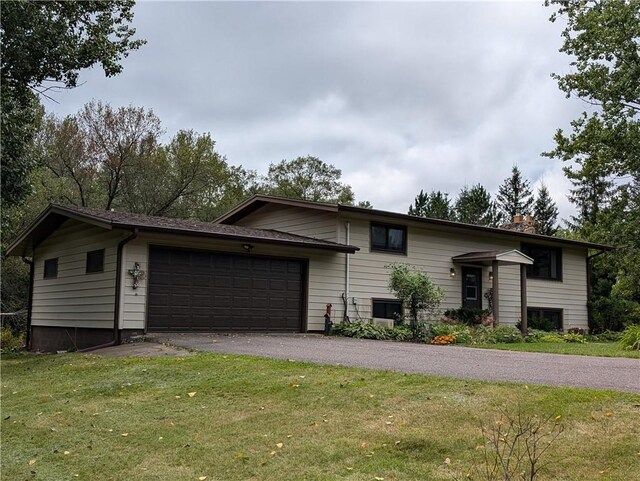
[[76, 416], [606, 349]]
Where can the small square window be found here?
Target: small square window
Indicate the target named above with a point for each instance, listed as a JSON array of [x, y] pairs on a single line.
[[387, 308], [51, 268], [95, 261]]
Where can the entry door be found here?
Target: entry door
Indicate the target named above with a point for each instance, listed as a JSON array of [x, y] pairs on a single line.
[[472, 287]]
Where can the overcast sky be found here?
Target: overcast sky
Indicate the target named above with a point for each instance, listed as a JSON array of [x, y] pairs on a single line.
[[401, 97]]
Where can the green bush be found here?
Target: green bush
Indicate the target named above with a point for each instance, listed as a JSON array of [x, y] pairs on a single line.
[[495, 335], [556, 338], [366, 330], [630, 338], [461, 332], [606, 336], [534, 335], [10, 342], [574, 337], [613, 314], [467, 315]]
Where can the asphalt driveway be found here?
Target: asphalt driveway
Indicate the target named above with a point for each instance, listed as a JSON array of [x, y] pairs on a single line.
[[619, 374]]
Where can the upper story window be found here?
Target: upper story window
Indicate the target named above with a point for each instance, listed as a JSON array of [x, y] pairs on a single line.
[[51, 268], [95, 261], [389, 238], [547, 262]]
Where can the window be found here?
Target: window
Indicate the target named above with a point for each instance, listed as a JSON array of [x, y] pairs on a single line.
[[547, 262], [544, 318], [389, 238], [51, 268], [387, 308], [95, 261]]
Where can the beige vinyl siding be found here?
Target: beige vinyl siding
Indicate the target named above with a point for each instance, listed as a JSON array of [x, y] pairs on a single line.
[[75, 298], [431, 249], [326, 273], [295, 220], [569, 295]]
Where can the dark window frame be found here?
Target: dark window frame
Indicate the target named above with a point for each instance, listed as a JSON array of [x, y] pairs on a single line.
[[540, 310], [386, 249], [90, 267], [53, 261], [525, 248], [395, 302]]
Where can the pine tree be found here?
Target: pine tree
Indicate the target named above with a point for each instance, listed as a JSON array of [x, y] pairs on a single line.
[[514, 196], [435, 205], [545, 212], [474, 206]]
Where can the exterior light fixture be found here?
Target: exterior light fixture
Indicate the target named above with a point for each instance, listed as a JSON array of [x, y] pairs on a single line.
[[247, 247], [452, 272], [490, 275]]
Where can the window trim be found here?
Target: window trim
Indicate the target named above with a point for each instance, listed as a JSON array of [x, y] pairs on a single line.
[[559, 261], [552, 309], [44, 268], [87, 271], [389, 301], [387, 226]]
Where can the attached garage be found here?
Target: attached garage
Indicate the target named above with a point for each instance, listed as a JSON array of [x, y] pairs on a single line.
[[98, 277], [203, 290]]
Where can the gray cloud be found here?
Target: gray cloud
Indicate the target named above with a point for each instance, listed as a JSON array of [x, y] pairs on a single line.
[[401, 97]]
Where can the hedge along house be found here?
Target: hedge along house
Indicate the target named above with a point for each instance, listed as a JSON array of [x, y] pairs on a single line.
[[274, 264]]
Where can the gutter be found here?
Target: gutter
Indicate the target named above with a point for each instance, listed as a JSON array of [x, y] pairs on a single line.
[[31, 264], [116, 312]]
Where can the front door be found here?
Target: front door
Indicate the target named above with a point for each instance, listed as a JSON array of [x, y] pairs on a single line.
[[472, 287]]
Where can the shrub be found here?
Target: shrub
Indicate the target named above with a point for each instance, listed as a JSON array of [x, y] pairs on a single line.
[[613, 314], [461, 332], [418, 291], [606, 336], [535, 335], [495, 335], [10, 342], [365, 330], [574, 337], [630, 338], [551, 338], [467, 315]]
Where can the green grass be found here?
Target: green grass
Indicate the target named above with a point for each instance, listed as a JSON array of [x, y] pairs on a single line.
[[64, 418], [606, 349]]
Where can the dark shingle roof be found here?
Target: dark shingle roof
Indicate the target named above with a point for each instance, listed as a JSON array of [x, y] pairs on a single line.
[[125, 220]]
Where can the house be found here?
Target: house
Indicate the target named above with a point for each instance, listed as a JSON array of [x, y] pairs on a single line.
[[274, 264]]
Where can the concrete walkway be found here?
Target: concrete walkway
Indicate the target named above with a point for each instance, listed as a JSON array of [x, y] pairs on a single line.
[[620, 374]]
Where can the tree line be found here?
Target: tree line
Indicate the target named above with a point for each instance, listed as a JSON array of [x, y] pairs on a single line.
[[474, 205]]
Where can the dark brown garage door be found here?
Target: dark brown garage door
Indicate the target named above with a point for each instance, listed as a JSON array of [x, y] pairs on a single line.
[[203, 290]]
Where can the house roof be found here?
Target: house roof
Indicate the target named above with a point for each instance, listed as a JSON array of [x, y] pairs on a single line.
[[512, 256], [257, 201], [51, 218]]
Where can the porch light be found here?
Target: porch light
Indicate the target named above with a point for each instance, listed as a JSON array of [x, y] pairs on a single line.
[[490, 275], [452, 272], [247, 247]]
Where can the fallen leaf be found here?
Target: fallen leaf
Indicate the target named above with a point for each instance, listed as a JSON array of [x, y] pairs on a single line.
[[279, 445], [32, 462], [558, 417], [447, 461], [397, 442], [202, 478], [293, 385], [378, 478], [124, 435], [289, 436], [608, 414], [273, 453], [66, 452], [388, 422], [349, 468], [191, 394], [302, 377], [177, 397]]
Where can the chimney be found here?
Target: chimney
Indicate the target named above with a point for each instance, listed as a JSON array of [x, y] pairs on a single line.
[[517, 219]]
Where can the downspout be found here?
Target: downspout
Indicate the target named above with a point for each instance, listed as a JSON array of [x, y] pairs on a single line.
[[31, 264], [116, 313], [345, 315]]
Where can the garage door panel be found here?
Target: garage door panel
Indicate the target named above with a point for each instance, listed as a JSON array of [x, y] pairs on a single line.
[[205, 290]]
